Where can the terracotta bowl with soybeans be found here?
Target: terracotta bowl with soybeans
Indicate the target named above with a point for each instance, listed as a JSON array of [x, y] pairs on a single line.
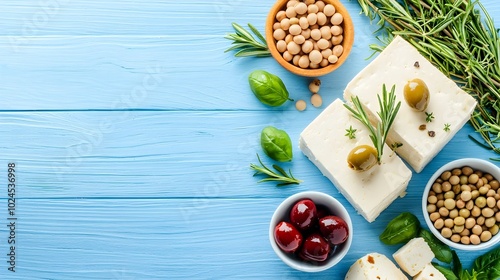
[[309, 38]]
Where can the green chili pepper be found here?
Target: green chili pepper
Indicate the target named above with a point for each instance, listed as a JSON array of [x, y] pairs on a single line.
[[401, 229], [268, 88]]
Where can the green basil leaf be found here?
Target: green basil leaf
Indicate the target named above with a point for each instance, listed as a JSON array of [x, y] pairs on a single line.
[[441, 251], [489, 262], [446, 272], [457, 266], [401, 229], [268, 88], [482, 275], [276, 144]]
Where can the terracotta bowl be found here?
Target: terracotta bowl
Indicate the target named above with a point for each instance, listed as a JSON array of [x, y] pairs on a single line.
[[347, 42]]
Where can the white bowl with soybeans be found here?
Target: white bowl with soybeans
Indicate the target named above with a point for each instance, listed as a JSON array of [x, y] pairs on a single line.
[[308, 37], [461, 203]]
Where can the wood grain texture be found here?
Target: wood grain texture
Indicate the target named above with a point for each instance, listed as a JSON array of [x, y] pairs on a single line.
[[162, 154], [132, 132], [152, 239]]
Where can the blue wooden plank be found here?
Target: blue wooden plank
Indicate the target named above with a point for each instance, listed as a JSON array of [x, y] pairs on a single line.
[[151, 239], [117, 72], [163, 154], [126, 17]]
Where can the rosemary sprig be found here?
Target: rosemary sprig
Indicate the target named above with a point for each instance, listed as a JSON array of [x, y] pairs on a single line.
[[246, 44], [279, 175], [387, 114], [453, 36]]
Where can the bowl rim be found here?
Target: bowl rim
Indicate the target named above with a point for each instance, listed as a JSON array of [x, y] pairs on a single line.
[[475, 163], [340, 211], [347, 42]]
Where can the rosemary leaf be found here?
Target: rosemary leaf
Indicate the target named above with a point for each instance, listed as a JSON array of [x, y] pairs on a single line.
[[280, 176], [246, 44], [257, 33]]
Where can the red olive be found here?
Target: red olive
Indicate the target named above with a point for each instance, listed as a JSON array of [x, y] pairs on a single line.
[[322, 211], [334, 229], [303, 214], [315, 248], [287, 237]]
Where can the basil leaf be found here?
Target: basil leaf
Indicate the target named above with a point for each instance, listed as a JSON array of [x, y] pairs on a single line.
[[446, 272], [457, 266], [268, 88], [276, 144], [441, 251], [489, 262], [401, 229]]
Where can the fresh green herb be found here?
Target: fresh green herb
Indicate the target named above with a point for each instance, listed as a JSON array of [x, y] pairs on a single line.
[[276, 144], [280, 176], [268, 88], [448, 273], [246, 44], [485, 267], [351, 132], [429, 116], [396, 145], [489, 263], [387, 114], [441, 251], [400, 229], [446, 127], [455, 38]]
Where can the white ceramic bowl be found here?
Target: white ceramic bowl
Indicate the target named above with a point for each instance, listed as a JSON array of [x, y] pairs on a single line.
[[476, 164], [334, 207]]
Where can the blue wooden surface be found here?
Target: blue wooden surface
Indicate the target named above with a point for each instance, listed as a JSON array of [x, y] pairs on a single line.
[[132, 132]]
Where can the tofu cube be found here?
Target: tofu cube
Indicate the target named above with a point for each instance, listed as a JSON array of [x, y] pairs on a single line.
[[449, 105], [374, 266], [414, 256], [324, 142], [429, 273]]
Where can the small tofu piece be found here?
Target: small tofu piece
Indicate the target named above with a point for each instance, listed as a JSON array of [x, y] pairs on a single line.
[[414, 256], [370, 192], [429, 273], [374, 266], [452, 107]]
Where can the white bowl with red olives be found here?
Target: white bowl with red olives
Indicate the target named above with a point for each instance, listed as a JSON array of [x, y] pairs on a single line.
[[461, 204], [311, 231]]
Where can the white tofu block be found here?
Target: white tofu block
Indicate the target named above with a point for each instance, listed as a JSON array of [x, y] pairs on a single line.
[[374, 266], [429, 273], [448, 103], [324, 142], [414, 256]]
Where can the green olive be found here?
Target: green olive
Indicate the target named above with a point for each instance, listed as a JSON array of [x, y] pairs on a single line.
[[417, 94], [362, 158]]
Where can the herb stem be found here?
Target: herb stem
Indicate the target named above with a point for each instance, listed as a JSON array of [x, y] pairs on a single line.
[[245, 43], [280, 176], [387, 115]]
